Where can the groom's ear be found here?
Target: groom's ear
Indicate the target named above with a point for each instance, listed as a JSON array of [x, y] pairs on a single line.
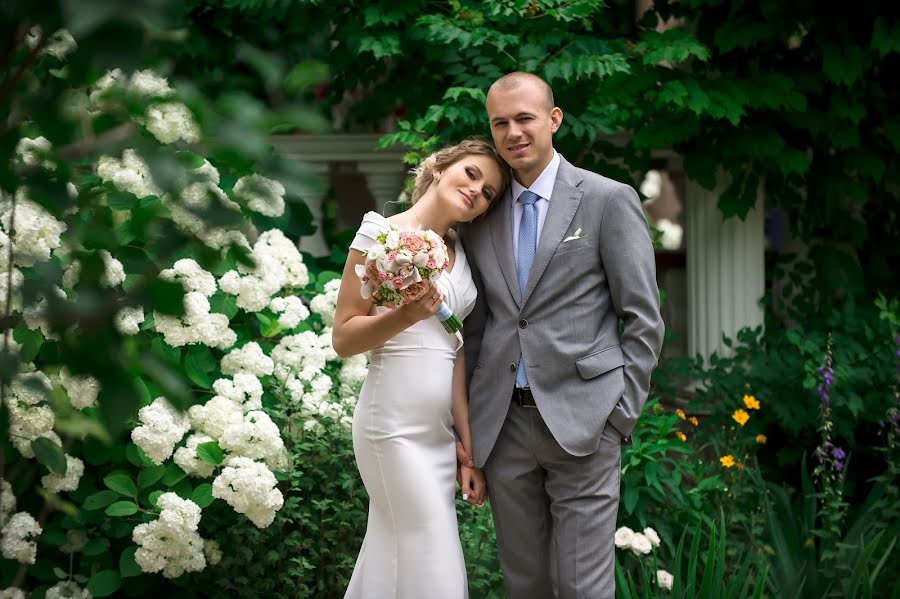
[[556, 117]]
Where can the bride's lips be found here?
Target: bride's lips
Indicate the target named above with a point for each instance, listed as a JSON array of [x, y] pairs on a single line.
[[467, 199]]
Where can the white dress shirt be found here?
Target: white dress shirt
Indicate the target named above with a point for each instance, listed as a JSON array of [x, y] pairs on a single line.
[[543, 187]]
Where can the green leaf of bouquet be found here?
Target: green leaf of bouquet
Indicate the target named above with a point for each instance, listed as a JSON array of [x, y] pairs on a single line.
[[210, 453], [49, 453], [127, 566], [99, 500], [150, 476], [202, 495], [104, 583], [122, 508], [122, 484]]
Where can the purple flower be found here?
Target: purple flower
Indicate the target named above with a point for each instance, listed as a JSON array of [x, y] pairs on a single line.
[[838, 466], [838, 454]]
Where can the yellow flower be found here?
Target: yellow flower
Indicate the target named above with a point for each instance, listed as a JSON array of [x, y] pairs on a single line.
[[694, 421], [681, 435], [740, 416], [680, 413], [761, 439], [727, 460], [751, 402]]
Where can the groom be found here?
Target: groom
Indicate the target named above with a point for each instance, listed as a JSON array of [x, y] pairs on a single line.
[[555, 387]]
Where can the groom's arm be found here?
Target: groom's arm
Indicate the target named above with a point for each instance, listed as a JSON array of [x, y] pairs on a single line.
[[628, 260], [473, 326]]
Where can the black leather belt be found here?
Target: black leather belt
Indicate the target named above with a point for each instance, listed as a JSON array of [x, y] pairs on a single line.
[[522, 396]]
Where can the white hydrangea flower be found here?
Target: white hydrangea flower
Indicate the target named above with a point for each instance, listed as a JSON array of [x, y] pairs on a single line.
[[353, 374], [82, 390], [54, 483], [67, 589], [187, 460], [212, 551], [162, 427], [12, 593], [148, 83], [652, 536], [28, 422], [72, 274], [243, 388], [250, 488], [262, 195], [37, 232], [171, 543], [7, 501], [197, 325], [665, 580], [31, 151], [324, 304], [18, 539], [249, 358], [315, 400], [111, 79], [279, 265], [292, 310], [192, 277], [75, 542], [255, 437], [114, 272], [31, 387], [216, 415], [300, 355], [60, 45], [326, 346], [131, 174], [171, 121], [128, 320]]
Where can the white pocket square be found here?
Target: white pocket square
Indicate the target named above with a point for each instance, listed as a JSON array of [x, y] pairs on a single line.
[[577, 235]]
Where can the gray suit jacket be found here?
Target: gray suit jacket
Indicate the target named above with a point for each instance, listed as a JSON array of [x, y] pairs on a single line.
[[582, 371]]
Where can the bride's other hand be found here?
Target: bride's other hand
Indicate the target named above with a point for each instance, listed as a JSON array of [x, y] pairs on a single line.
[[423, 307]]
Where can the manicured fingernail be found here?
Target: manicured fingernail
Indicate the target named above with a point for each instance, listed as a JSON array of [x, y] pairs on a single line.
[[465, 496]]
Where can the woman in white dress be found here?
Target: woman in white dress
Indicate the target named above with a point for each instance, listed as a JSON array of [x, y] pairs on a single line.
[[414, 396]]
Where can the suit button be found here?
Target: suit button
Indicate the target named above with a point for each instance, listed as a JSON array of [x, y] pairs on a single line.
[[512, 367], [523, 323]]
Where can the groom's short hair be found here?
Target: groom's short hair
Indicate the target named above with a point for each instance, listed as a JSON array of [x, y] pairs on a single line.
[[515, 79]]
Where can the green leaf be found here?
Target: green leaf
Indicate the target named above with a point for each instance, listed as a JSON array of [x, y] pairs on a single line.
[[96, 547], [122, 508], [136, 456], [50, 454], [629, 498], [173, 475], [121, 200], [210, 453], [150, 475], [202, 495], [127, 566], [121, 484], [198, 363], [104, 583], [99, 500], [154, 497]]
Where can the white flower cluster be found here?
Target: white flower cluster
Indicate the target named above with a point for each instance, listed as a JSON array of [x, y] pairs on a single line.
[[353, 373], [35, 315], [67, 589], [128, 320], [114, 272], [29, 416], [31, 151], [639, 543], [279, 266], [325, 303], [60, 44], [292, 310], [171, 543], [198, 324], [250, 488], [249, 359], [257, 438], [12, 593], [37, 232], [162, 427], [212, 551], [7, 501], [18, 538], [171, 121], [54, 483], [82, 390], [302, 356], [187, 460], [131, 174], [262, 195]]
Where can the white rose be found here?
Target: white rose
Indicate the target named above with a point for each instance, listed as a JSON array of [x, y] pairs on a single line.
[[624, 536], [640, 545], [664, 579], [652, 536]]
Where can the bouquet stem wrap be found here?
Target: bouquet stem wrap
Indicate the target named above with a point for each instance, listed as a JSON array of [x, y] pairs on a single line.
[[451, 323]]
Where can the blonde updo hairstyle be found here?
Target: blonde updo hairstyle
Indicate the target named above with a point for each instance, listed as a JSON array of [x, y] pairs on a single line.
[[445, 157]]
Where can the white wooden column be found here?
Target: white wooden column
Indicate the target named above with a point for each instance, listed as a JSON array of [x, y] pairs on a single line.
[[384, 171], [725, 270]]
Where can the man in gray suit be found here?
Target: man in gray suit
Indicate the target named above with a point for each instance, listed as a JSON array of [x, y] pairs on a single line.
[[555, 387]]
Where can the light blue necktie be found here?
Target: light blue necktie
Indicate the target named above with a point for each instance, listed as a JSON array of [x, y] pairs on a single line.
[[527, 249]]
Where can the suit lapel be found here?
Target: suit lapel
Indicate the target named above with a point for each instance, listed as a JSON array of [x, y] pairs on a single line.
[[500, 225], [563, 205]]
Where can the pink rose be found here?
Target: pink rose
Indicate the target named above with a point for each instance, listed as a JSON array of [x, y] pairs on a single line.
[[392, 255], [413, 242], [431, 264], [414, 291], [398, 282], [382, 277]]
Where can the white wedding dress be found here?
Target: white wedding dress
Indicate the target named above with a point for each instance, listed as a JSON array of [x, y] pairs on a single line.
[[405, 450]]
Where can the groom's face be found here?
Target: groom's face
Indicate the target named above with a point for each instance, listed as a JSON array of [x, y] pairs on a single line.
[[522, 124]]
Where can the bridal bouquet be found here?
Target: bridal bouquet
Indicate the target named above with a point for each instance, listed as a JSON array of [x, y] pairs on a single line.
[[399, 267]]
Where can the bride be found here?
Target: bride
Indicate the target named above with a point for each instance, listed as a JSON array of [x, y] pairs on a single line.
[[414, 396]]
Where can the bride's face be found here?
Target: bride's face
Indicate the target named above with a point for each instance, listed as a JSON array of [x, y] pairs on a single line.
[[469, 186]]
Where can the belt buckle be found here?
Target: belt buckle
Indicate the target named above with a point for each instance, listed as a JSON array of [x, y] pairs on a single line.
[[519, 393]]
